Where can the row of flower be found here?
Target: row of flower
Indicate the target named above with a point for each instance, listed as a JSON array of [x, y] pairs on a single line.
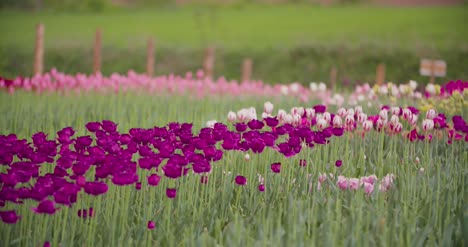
[[173, 151], [197, 85]]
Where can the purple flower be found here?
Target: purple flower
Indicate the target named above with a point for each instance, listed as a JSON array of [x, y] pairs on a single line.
[[124, 178], [47, 244], [171, 192], [257, 145], [45, 207], [241, 127], [241, 180], [276, 167], [302, 163], [201, 166], [338, 163], [151, 225], [271, 121], [95, 188], [255, 124], [261, 187], [320, 108], [174, 171], [337, 131], [84, 141], [109, 126], [154, 179], [39, 138], [138, 185], [9, 217], [93, 126], [82, 213]]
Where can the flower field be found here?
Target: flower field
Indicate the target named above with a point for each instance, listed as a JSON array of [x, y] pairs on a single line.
[[132, 160]]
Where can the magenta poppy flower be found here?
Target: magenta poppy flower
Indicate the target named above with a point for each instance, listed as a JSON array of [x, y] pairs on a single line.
[[45, 207], [171, 192], [338, 163], [241, 180], [9, 217], [151, 225], [154, 179], [47, 244], [261, 187], [276, 167]]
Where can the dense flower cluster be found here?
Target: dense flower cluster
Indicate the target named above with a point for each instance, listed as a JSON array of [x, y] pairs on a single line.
[[389, 120], [200, 86], [367, 183], [86, 164], [170, 151]]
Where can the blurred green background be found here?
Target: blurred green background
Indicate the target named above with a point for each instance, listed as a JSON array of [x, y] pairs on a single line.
[[287, 40]]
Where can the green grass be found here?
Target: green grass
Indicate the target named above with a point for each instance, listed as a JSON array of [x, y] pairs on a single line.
[[425, 209], [252, 26], [287, 42]]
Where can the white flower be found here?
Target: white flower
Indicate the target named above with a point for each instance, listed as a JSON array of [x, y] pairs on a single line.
[[310, 113], [428, 124], [232, 117], [284, 90], [321, 123], [413, 84], [395, 111], [322, 87], [211, 123], [383, 114], [313, 86], [431, 114], [337, 122], [268, 107], [367, 125], [430, 88]]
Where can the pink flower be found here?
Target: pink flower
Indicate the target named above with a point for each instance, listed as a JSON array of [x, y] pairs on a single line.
[[368, 188], [322, 177], [241, 180], [342, 182], [151, 225], [261, 187], [276, 167], [353, 183], [338, 163]]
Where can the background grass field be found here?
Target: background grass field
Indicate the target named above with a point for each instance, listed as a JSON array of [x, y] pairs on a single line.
[[287, 42]]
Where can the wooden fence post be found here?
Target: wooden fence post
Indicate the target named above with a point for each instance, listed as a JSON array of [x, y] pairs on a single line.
[[333, 76], [433, 68], [380, 74], [208, 63], [246, 69], [97, 51], [150, 57], [39, 50]]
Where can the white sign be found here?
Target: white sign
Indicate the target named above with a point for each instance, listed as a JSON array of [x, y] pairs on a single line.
[[433, 68]]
